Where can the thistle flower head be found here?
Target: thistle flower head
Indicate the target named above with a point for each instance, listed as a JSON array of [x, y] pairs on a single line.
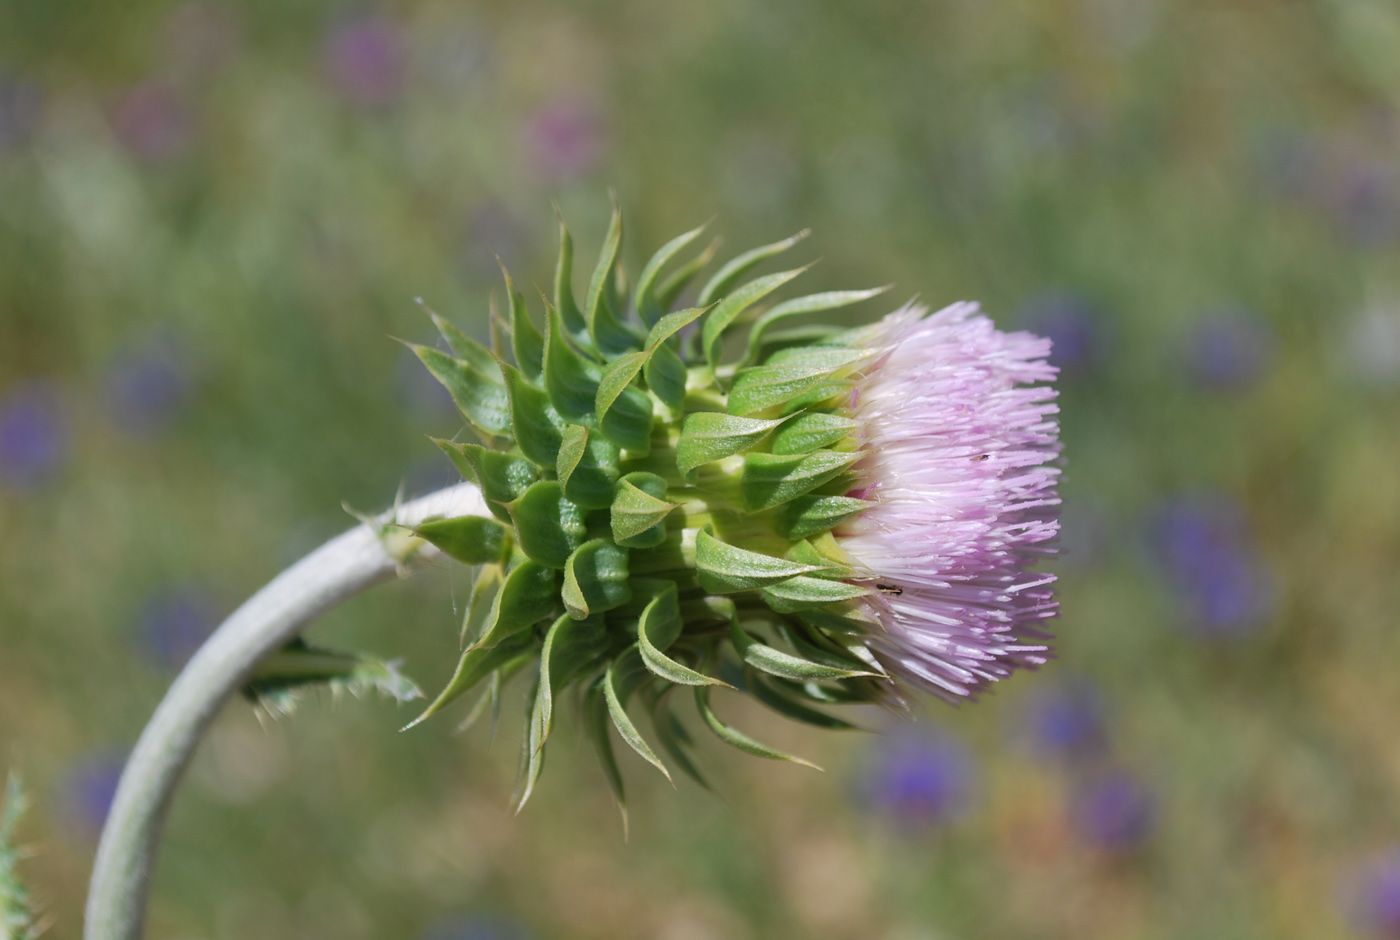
[[814, 515]]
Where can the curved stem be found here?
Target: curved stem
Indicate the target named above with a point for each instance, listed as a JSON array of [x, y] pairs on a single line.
[[270, 618]]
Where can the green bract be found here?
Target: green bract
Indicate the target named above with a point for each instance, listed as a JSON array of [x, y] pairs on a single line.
[[661, 515]]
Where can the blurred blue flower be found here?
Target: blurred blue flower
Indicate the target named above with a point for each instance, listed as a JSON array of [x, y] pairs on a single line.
[[87, 788], [147, 384], [1376, 896], [480, 927], [153, 122], [175, 622], [1228, 349], [1069, 321], [1199, 542], [1065, 719], [1113, 811], [20, 102], [364, 60], [565, 139], [33, 436], [918, 777]]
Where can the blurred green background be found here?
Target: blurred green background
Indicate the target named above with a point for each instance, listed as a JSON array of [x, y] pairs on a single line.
[[213, 216]]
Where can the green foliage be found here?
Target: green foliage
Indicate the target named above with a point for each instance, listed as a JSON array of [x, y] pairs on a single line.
[[637, 554], [16, 916], [280, 678]]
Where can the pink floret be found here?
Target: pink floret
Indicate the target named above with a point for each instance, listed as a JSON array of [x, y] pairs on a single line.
[[961, 438]]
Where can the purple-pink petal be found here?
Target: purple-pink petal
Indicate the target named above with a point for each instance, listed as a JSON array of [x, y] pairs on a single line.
[[960, 432]]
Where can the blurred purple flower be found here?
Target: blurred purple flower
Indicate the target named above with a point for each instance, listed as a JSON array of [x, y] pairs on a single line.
[[153, 122], [20, 103], [918, 777], [87, 789], [1366, 203], [147, 384], [202, 38], [364, 60], [1228, 349], [175, 622], [1200, 544], [1376, 896], [1069, 321], [1113, 811], [480, 927], [565, 139], [1065, 719], [33, 436]]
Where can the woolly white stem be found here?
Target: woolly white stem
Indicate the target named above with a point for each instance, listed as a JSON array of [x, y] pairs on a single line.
[[332, 573]]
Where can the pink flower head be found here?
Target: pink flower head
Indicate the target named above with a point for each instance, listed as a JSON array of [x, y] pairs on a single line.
[[960, 436]]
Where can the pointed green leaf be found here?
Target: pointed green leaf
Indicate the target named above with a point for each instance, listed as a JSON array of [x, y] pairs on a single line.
[[454, 452], [784, 703], [571, 448], [726, 569], [671, 288], [481, 603], [481, 398], [729, 275], [616, 377], [501, 477], [759, 387], [595, 711], [628, 421], [665, 375], [737, 738], [595, 579], [531, 756], [564, 302], [528, 595], [775, 662], [537, 426], [840, 652], [472, 540], [527, 343], [647, 305], [464, 347], [675, 740], [807, 593], [610, 336], [658, 628], [836, 562], [617, 692], [707, 436], [771, 480], [812, 303], [809, 431], [570, 379], [476, 664], [570, 647], [639, 509], [298, 665], [671, 324], [548, 527], [727, 310]]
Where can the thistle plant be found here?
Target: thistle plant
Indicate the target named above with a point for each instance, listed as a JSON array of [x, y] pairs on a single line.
[[660, 501], [816, 516]]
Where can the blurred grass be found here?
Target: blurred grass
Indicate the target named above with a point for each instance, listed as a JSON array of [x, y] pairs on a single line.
[[269, 187]]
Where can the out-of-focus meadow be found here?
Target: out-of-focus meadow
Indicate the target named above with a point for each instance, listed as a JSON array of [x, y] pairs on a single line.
[[214, 216]]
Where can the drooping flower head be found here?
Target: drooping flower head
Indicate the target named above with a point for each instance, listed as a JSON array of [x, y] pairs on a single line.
[[813, 515]]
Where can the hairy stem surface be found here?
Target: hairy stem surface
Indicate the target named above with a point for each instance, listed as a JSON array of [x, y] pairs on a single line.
[[342, 567]]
